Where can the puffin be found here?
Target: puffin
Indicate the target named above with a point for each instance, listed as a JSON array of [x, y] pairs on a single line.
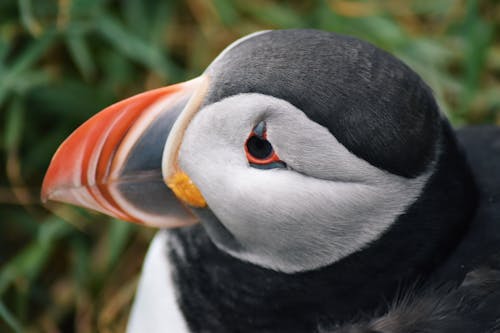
[[307, 181]]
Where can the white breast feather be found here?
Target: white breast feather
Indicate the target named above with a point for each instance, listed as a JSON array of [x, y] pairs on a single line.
[[155, 309]]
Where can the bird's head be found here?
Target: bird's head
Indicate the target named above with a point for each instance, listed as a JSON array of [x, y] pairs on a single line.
[[295, 149]]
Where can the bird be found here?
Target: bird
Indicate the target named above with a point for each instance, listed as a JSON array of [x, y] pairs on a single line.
[[307, 181]]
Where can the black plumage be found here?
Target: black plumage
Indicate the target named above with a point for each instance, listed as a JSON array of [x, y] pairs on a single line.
[[458, 294], [345, 84], [474, 305], [385, 219], [411, 279]]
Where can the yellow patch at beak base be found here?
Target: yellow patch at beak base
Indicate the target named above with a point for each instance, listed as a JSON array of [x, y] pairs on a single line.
[[184, 189]]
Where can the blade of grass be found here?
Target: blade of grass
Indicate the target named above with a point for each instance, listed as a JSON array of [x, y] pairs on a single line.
[[162, 18], [118, 235], [279, 16], [4, 50], [28, 58], [14, 124], [80, 54], [28, 18], [226, 11], [30, 79], [134, 12], [477, 39], [137, 49], [29, 262], [9, 319]]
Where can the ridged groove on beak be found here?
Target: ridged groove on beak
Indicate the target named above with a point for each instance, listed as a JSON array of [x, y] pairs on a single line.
[[178, 181], [91, 168]]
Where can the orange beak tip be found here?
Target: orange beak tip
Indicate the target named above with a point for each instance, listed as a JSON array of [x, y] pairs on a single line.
[[104, 165]]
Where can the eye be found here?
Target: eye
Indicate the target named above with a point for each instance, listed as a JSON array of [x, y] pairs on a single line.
[[260, 152], [258, 148]]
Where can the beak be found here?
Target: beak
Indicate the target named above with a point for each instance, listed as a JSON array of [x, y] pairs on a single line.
[[113, 162]]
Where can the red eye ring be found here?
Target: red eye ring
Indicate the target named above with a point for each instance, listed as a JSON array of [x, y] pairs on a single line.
[[259, 151], [271, 158]]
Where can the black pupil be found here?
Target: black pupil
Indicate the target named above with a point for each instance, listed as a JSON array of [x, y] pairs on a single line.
[[260, 149]]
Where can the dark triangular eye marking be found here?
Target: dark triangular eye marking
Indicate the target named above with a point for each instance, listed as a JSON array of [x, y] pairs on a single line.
[[260, 130]]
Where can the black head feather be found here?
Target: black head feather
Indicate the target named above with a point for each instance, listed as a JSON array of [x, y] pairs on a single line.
[[381, 111], [370, 101]]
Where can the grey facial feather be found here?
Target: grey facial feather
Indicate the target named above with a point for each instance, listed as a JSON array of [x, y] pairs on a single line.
[[329, 204]]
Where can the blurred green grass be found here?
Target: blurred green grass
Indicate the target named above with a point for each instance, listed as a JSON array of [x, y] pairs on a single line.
[[63, 269]]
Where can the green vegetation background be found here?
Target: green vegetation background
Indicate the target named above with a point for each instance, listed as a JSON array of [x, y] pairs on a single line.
[[64, 269]]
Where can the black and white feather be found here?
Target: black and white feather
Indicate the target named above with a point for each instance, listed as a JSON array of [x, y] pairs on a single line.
[[473, 306], [382, 220]]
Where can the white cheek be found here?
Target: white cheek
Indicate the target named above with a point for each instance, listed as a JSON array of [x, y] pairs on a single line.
[[282, 211], [287, 220]]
